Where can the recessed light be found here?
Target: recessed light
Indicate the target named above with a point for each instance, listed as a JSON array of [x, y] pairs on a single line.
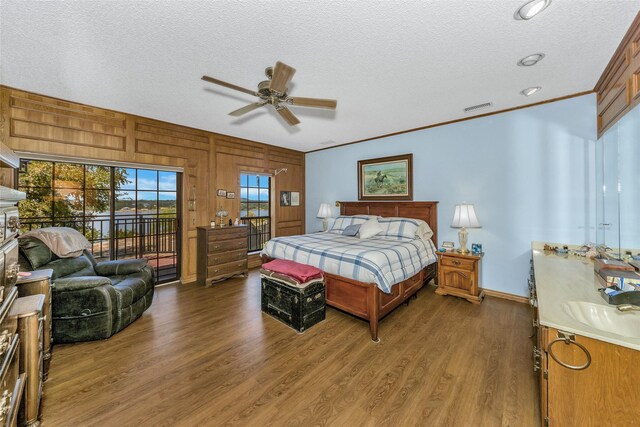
[[531, 9], [530, 60], [530, 90]]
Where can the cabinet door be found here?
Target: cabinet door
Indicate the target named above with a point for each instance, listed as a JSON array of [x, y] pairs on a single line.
[[459, 279], [605, 393]]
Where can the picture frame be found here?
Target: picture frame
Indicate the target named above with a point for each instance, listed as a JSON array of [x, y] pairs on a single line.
[[476, 248], [231, 195], [285, 198], [448, 245], [386, 178], [295, 198], [222, 193]]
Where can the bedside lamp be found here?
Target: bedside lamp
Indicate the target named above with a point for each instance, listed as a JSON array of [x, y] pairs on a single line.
[[463, 218], [325, 213]]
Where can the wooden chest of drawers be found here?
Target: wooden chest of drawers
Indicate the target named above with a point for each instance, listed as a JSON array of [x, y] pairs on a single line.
[[28, 311], [222, 253], [39, 282], [12, 382]]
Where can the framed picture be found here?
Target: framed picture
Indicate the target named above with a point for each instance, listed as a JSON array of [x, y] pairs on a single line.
[[476, 248], [386, 178], [295, 198], [285, 198], [222, 193], [231, 195]]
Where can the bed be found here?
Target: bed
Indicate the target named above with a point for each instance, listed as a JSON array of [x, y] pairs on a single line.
[[372, 299]]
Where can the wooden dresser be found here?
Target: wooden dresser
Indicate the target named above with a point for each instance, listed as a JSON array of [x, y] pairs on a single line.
[[39, 282], [222, 253], [28, 311]]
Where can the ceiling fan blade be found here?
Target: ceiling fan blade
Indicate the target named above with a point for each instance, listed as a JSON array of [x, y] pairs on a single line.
[[282, 75], [229, 85], [287, 115], [313, 102], [246, 109]]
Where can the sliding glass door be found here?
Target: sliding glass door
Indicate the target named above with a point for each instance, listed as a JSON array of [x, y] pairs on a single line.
[[123, 212]]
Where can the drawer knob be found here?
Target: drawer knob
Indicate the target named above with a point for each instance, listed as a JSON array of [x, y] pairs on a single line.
[[456, 262]]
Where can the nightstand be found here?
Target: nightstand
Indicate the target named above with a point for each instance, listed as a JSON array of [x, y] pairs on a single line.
[[459, 275]]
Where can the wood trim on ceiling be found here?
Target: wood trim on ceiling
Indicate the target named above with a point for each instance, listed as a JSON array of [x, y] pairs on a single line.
[[548, 101]]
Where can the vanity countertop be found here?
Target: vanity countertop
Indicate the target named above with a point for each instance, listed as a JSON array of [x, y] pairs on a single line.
[[561, 278]]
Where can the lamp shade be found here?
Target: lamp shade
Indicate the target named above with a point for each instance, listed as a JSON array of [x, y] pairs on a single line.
[[324, 211], [465, 216]]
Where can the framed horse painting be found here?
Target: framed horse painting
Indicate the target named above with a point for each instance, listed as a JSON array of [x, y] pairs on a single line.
[[386, 178]]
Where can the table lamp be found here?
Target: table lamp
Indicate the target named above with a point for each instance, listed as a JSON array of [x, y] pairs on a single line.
[[463, 218], [325, 213]]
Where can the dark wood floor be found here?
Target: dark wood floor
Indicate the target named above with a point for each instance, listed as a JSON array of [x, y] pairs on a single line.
[[210, 357]]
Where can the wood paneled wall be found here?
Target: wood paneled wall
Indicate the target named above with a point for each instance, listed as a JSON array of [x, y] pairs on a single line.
[[44, 125], [619, 86]]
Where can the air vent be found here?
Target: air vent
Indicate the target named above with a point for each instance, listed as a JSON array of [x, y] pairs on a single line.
[[477, 107]]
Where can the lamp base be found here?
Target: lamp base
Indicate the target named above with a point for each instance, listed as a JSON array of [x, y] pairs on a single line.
[[463, 235], [325, 224]]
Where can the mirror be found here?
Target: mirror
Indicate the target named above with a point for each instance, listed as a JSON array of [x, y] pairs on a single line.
[[618, 187]]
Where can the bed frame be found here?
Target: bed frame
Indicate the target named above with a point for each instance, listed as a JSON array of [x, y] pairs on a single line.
[[365, 300]]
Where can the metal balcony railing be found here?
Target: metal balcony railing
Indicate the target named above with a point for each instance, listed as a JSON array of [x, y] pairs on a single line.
[[259, 231], [132, 236]]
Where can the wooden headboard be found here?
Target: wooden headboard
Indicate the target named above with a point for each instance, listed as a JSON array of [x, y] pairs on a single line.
[[427, 211]]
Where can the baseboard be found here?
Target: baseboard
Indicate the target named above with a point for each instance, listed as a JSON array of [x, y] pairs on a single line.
[[504, 295]]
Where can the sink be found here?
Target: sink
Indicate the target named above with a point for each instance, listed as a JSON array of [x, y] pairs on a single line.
[[604, 318]]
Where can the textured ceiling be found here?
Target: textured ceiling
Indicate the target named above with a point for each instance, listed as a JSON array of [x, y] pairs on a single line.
[[392, 65]]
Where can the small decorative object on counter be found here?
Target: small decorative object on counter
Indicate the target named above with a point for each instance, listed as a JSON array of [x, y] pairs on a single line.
[[213, 223], [476, 248], [236, 222], [230, 221]]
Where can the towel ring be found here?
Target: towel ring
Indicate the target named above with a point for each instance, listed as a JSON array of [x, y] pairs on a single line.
[[568, 339]]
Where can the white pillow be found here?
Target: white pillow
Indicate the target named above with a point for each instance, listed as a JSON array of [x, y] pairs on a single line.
[[369, 229], [343, 221]]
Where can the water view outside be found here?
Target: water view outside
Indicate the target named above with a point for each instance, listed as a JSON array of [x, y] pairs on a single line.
[[123, 212], [255, 208]]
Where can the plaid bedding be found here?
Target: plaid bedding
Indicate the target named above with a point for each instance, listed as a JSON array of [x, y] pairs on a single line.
[[381, 261]]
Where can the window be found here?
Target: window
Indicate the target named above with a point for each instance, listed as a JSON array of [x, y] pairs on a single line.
[[255, 208], [123, 212]]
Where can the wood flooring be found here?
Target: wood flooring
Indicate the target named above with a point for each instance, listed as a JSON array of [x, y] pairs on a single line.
[[210, 357]]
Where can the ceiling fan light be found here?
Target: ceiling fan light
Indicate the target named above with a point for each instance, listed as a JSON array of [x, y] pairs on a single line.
[[531, 60], [532, 8], [530, 90]]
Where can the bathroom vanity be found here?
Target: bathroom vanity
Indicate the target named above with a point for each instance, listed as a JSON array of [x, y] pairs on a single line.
[[586, 352]]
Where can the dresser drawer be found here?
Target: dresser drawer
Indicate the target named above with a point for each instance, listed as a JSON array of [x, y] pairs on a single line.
[[227, 234], [224, 257], [228, 268], [465, 264], [227, 245]]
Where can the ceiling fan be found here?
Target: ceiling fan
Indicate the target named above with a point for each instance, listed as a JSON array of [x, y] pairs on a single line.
[[274, 91]]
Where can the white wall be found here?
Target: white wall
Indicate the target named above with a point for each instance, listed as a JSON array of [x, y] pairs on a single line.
[[530, 174]]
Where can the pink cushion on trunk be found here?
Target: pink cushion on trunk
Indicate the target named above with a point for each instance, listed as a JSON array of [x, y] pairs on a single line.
[[300, 272]]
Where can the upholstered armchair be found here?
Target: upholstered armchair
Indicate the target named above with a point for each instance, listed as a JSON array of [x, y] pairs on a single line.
[[90, 300]]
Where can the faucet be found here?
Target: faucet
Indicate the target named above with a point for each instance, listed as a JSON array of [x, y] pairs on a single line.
[[627, 307]]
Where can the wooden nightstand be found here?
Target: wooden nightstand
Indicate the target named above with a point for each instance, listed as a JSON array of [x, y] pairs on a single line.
[[459, 275]]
